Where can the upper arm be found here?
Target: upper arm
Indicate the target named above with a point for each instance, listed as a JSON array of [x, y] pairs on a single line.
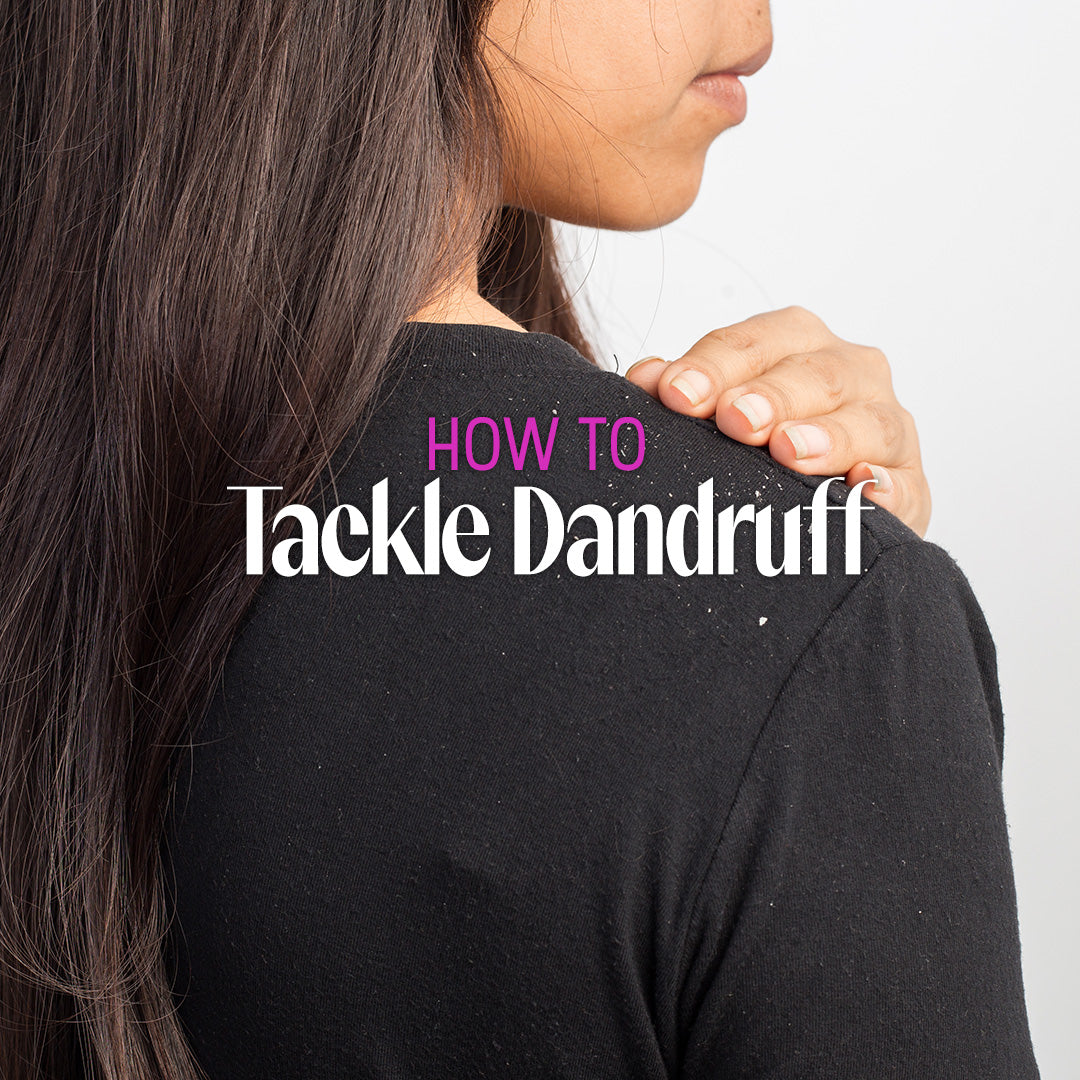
[[859, 918]]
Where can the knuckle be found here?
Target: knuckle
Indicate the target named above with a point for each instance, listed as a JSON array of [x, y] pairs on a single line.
[[828, 369], [909, 432], [740, 338], [843, 444], [738, 347], [878, 363], [822, 373], [888, 421], [803, 316], [779, 396]]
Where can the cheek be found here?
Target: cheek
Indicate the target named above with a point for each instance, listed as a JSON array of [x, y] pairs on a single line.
[[629, 159], [600, 129]]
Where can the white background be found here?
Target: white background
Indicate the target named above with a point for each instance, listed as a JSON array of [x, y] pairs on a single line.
[[910, 173]]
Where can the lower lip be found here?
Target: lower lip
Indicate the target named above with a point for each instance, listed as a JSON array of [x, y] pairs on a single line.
[[726, 91]]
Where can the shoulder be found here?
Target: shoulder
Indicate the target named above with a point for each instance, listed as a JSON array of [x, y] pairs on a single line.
[[635, 561], [865, 848], [557, 750], [608, 519], [609, 431], [687, 653]]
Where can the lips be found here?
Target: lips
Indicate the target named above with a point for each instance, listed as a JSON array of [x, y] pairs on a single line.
[[724, 91]]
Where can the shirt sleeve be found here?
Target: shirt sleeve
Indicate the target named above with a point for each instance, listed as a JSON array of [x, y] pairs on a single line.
[[858, 918]]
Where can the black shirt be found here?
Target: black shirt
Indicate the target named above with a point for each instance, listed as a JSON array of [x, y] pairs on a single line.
[[562, 824]]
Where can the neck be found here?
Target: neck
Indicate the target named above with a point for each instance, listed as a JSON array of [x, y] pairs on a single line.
[[461, 302]]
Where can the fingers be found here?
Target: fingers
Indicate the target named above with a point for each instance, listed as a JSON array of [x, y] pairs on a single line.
[[882, 440], [863, 431], [822, 405], [803, 385], [825, 443], [902, 491], [730, 356]]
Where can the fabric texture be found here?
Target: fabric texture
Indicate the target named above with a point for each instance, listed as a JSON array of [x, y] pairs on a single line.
[[615, 825]]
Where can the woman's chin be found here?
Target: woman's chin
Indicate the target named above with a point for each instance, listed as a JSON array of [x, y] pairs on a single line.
[[630, 204], [667, 205]]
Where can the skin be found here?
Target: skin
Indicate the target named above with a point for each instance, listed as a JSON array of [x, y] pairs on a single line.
[[610, 132], [606, 127]]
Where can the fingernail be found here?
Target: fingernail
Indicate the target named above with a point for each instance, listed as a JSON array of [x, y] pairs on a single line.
[[644, 360], [882, 480], [756, 409], [808, 440], [695, 386]]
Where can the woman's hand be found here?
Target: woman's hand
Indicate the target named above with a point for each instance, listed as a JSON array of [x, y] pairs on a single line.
[[824, 406]]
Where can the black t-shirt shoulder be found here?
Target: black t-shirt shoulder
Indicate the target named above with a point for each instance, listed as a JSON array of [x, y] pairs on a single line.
[[541, 825], [858, 917]]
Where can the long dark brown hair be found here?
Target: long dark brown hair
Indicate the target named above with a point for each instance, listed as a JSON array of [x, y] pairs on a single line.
[[215, 218]]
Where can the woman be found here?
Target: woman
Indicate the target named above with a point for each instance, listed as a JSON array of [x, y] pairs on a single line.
[[508, 822]]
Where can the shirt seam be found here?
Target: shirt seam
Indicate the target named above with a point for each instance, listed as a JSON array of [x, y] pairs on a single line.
[[813, 639]]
